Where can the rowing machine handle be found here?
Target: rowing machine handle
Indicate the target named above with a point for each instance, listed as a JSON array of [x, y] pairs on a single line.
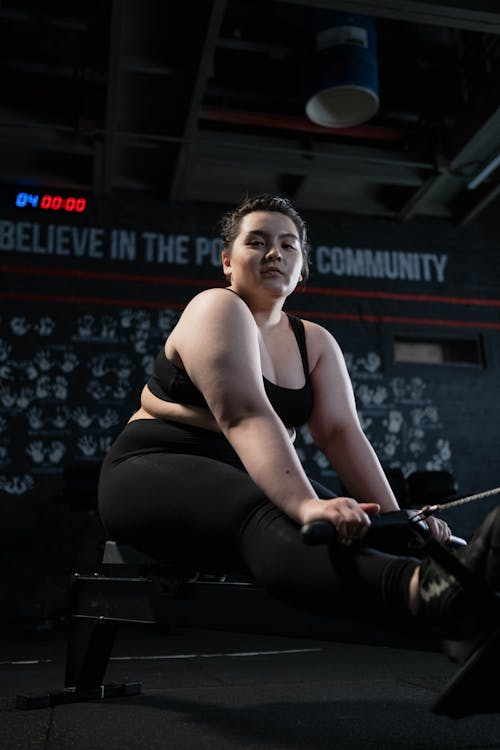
[[382, 527]]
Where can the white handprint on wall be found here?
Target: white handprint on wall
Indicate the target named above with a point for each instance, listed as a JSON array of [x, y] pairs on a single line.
[[124, 368], [87, 445], [43, 361], [99, 367], [82, 417], [97, 389], [108, 327], [108, 419], [7, 396], [126, 318], [69, 362], [43, 387], [60, 417], [56, 451], [395, 421], [5, 350], [24, 398], [16, 485], [44, 326], [36, 451], [85, 325], [60, 389], [19, 325], [34, 417]]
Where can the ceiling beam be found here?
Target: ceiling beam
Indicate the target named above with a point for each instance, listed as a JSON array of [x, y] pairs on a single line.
[[473, 211], [451, 180], [203, 73], [105, 149], [474, 15], [370, 164]]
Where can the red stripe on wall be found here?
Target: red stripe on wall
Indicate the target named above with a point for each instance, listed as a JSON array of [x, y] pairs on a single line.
[[74, 300], [368, 318], [405, 297], [190, 281], [365, 317], [109, 275]]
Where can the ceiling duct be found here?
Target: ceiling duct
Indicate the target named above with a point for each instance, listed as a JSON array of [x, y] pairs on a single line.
[[343, 69]]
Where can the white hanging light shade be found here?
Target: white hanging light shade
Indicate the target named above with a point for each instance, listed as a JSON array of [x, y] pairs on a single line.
[[343, 69]]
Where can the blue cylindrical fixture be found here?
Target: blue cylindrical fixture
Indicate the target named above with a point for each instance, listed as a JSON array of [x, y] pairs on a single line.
[[343, 69]]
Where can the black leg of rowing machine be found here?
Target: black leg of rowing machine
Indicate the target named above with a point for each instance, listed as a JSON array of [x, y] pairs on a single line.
[[90, 643]]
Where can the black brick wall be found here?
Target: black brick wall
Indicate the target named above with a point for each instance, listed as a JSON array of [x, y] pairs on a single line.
[[79, 330]]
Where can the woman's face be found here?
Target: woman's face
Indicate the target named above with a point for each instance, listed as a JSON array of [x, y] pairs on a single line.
[[266, 254]]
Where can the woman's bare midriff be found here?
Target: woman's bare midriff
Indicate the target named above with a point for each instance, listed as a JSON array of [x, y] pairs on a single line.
[[206, 422]]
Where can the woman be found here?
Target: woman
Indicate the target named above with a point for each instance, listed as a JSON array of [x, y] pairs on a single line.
[[205, 472]]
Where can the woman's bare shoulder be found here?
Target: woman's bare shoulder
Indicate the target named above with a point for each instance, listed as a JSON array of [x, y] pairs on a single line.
[[214, 298], [212, 311], [319, 338], [321, 345]]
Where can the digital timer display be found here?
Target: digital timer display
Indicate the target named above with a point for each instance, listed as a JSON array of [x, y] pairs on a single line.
[[51, 202]]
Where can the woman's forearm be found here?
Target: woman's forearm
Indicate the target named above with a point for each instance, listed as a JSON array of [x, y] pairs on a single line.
[[357, 465], [263, 445]]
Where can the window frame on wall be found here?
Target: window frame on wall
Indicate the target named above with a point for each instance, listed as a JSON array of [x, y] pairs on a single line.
[[464, 349]]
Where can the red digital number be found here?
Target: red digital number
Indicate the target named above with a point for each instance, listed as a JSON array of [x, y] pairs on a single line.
[[57, 202]]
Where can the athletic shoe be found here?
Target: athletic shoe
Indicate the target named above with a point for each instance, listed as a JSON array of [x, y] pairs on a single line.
[[457, 589]]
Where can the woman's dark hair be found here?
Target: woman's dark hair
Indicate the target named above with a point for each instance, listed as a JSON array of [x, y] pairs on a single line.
[[229, 225]]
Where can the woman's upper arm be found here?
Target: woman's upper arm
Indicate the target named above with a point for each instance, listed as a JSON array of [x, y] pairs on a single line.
[[334, 403], [216, 340]]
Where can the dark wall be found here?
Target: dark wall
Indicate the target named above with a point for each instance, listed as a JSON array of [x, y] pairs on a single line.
[[88, 299]]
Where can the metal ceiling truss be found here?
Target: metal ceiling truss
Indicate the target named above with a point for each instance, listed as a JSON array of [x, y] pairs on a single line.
[[182, 122]]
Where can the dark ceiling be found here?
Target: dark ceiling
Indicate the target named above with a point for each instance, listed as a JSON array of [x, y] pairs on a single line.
[[203, 100]]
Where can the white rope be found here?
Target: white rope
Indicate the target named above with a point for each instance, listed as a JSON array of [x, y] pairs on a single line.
[[470, 498], [429, 510]]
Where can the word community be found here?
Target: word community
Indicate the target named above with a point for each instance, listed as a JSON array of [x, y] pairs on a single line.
[[149, 247]]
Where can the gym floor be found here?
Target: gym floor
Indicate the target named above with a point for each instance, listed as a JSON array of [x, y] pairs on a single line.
[[235, 691]]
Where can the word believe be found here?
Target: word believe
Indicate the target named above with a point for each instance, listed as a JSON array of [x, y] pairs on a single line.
[[149, 247]]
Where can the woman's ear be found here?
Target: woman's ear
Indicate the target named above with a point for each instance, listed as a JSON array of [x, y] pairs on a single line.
[[226, 264]]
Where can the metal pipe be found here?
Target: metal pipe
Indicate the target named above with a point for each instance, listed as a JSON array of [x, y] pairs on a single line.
[[301, 124]]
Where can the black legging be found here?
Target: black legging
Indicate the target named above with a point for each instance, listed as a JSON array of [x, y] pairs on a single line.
[[181, 494]]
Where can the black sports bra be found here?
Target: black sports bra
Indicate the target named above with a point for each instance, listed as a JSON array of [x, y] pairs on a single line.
[[293, 405]]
